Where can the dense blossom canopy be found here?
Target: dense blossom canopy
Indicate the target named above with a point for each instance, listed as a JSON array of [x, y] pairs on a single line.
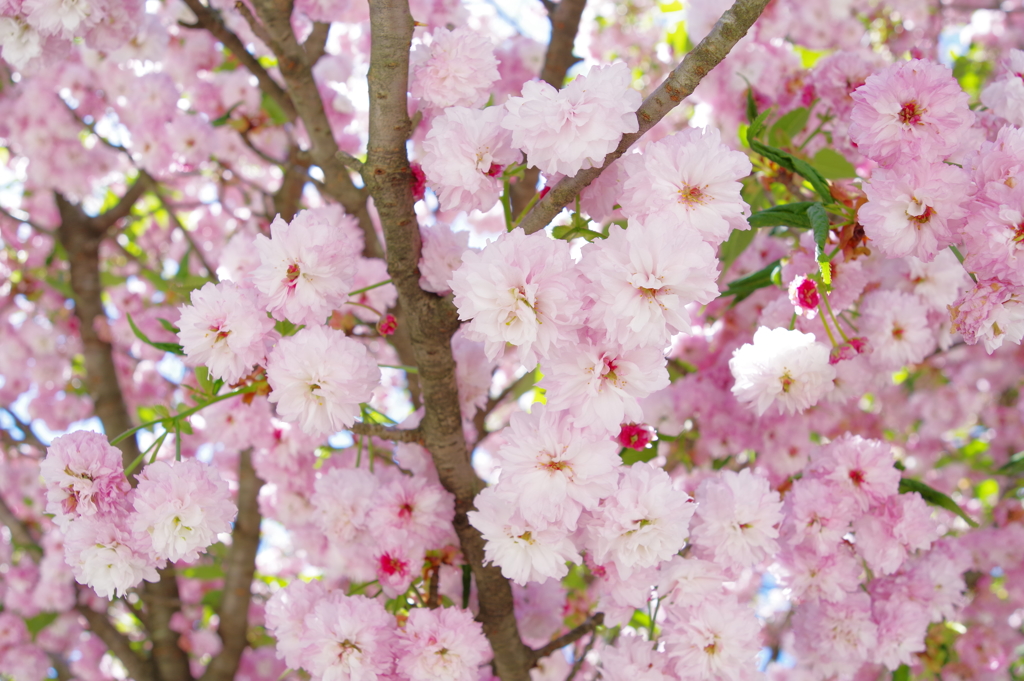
[[427, 340]]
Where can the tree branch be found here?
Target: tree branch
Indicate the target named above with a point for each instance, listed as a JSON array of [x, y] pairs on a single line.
[[30, 437], [593, 622], [209, 19], [298, 75], [385, 433], [20, 534], [210, 271], [138, 668], [565, 24], [316, 44], [239, 567], [431, 320], [81, 237], [123, 207], [679, 85]]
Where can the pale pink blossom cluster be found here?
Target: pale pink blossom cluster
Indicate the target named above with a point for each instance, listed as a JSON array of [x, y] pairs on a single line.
[[846, 526], [40, 32], [391, 520], [564, 131], [307, 271], [116, 536], [336, 636], [457, 68]]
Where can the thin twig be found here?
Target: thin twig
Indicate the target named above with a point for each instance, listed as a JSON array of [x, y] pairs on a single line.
[[26, 428], [386, 433], [349, 160], [211, 21], [20, 534], [210, 271], [592, 623], [38, 228], [316, 44], [679, 85], [139, 668], [578, 664], [254, 24]]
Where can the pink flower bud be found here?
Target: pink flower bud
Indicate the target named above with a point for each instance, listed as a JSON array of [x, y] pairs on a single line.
[[388, 325], [635, 435], [419, 181], [803, 293]]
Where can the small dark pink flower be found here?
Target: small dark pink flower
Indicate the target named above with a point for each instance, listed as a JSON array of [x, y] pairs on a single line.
[[635, 435], [419, 181], [388, 325], [803, 293]]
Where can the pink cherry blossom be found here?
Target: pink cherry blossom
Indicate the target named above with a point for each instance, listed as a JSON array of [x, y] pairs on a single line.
[[445, 644], [84, 477], [464, 154], [456, 69], [349, 637], [914, 209], [690, 179], [223, 329], [737, 518], [104, 555], [859, 468], [645, 521], [716, 638], [555, 470], [643, 278], [992, 311], [319, 377], [600, 383], [525, 552], [913, 109], [563, 131], [181, 508], [306, 268], [784, 367], [521, 290]]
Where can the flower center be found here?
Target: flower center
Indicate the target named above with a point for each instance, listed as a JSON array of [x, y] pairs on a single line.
[[910, 113], [291, 274], [787, 382], [691, 195]]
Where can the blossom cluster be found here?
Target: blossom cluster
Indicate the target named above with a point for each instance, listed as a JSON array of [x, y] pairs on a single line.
[[117, 536], [336, 636]]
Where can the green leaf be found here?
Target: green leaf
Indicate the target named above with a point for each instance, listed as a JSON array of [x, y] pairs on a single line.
[[820, 227], [1013, 467], [751, 107], [213, 598], [796, 165], [833, 165], [168, 326], [630, 456], [744, 287], [788, 127], [757, 127], [273, 110], [39, 622], [787, 214], [901, 673], [223, 120], [204, 380], [640, 620], [734, 246], [203, 572], [570, 232], [934, 497], [467, 584], [173, 348]]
